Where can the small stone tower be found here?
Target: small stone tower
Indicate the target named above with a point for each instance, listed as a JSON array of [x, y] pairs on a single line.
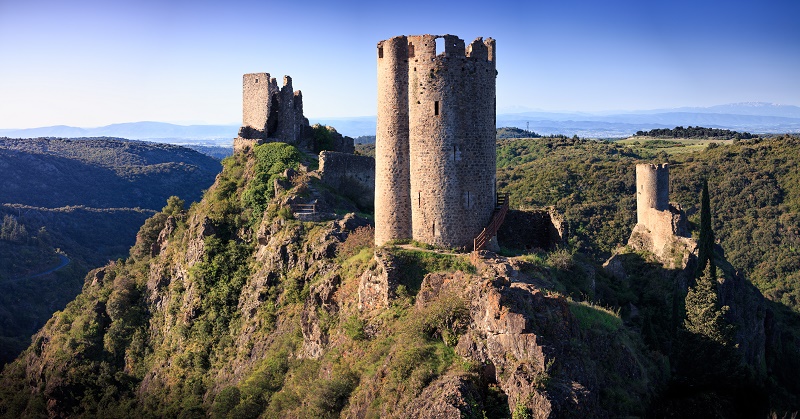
[[660, 225], [435, 147], [652, 191]]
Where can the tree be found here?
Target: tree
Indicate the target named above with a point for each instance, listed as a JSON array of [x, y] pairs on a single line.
[[174, 206], [704, 316], [705, 244]]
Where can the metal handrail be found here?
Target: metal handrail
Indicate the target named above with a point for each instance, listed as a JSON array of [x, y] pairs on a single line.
[[501, 208]]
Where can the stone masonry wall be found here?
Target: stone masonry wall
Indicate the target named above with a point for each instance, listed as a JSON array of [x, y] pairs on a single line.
[[351, 175], [259, 97], [652, 190], [392, 178], [273, 114], [658, 220], [451, 140]]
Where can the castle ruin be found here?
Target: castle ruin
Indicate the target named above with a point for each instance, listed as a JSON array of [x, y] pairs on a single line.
[[270, 113], [658, 222], [435, 142]]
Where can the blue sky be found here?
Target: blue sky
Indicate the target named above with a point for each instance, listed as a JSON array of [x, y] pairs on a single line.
[[92, 63]]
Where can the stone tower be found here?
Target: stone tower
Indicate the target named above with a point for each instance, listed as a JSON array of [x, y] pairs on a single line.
[[259, 102], [435, 145], [269, 112], [652, 191]]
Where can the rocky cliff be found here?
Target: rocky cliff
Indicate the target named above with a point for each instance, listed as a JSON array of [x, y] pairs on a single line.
[[236, 308]]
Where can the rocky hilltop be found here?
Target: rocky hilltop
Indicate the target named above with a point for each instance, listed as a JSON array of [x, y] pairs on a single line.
[[235, 307]]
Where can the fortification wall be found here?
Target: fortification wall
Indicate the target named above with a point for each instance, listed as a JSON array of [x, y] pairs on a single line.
[[451, 139], [392, 192], [351, 175], [273, 114], [659, 222], [652, 191], [259, 97]]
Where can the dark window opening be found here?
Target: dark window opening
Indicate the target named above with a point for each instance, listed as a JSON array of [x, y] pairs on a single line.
[[454, 153], [436, 107], [410, 50], [419, 199], [434, 228], [256, 80], [468, 199], [415, 68], [380, 52]]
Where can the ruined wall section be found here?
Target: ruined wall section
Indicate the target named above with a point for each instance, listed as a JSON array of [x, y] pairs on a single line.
[[273, 114], [392, 193], [660, 224], [259, 105], [351, 175], [451, 139], [652, 190]]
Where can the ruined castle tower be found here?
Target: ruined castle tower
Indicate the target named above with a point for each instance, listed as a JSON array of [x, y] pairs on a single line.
[[652, 191], [660, 225], [435, 145], [392, 187], [272, 113]]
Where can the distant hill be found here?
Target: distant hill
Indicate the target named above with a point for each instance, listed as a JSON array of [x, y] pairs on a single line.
[[750, 117], [161, 131], [87, 197]]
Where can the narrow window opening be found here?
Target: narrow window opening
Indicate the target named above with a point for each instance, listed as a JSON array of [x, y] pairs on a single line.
[[380, 52], [434, 228], [439, 46], [454, 155], [415, 68], [436, 107], [468, 206], [410, 50], [256, 80], [419, 199]]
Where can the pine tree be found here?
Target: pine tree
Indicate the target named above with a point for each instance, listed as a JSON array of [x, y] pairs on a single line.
[[704, 316], [705, 244]]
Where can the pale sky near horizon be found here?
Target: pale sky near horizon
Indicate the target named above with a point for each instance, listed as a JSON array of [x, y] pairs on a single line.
[[92, 63]]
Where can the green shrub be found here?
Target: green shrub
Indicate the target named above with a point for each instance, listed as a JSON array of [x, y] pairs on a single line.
[[271, 160]]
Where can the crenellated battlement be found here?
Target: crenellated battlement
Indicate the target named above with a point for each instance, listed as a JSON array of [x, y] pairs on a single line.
[[435, 145]]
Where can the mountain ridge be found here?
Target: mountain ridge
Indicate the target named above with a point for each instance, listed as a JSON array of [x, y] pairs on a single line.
[[756, 117]]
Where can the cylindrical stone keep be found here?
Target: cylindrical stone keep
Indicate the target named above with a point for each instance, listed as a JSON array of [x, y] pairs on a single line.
[[652, 189], [451, 139], [392, 178]]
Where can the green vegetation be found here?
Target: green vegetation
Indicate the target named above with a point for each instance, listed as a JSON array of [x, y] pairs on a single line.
[[231, 308], [84, 199], [271, 160], [696, 132], [755, 194]]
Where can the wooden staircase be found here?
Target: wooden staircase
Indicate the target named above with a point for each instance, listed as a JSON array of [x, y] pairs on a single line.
[[500, 210]]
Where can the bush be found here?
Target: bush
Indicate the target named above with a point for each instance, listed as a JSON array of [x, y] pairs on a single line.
[[271, 160], [360, 238]]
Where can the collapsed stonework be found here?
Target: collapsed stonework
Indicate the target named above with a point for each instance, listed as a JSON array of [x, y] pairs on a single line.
[[435, 141], [270, 113]]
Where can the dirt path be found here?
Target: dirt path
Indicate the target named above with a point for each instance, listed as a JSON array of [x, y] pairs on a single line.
[[63, 261]]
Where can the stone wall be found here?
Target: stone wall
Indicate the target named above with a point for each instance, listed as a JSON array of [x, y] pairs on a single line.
[[451, 138], [392, 178], [270, 113], [351, 175], [652, 190], [531, 229], [659, 222]]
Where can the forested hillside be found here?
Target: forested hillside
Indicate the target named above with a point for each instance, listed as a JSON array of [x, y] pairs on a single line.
[[755, 197], [81, 201]]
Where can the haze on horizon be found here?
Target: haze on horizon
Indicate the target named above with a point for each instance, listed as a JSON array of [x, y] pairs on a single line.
[[92, 63]]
